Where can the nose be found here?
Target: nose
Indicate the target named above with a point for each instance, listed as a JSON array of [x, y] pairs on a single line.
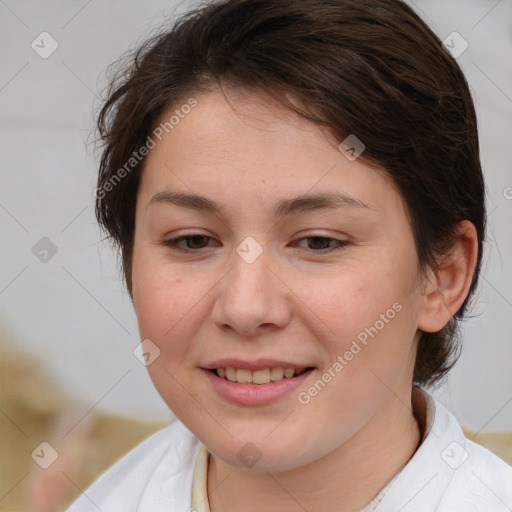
[[252, 298]]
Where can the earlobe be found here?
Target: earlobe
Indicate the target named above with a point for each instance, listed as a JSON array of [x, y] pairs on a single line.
[[449, 284]]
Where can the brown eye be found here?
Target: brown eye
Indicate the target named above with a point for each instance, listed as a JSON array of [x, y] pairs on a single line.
[[192, 242], [196, 241], [323, 243], [319, 242]]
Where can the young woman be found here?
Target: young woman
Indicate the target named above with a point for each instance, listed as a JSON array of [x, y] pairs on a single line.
[[296, 192]]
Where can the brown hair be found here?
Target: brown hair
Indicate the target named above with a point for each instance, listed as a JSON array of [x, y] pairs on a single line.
[[366, 67]]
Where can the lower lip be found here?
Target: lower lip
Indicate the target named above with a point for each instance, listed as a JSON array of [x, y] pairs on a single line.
[[255, 394]]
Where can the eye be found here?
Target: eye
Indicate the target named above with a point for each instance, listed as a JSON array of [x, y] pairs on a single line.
[[193, 242], [196, 241], [324, 243]]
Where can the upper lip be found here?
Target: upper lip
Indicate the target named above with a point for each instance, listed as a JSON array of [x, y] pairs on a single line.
[[257, 364]]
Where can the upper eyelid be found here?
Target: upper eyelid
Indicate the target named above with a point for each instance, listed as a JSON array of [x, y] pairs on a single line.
[[176, 240]]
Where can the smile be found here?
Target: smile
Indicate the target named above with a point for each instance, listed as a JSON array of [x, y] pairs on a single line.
[[257, 387], [263, 376]]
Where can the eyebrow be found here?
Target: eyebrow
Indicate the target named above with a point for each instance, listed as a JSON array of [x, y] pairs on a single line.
[[299, 204]]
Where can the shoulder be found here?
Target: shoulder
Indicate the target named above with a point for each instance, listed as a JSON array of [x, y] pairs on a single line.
[[123, 486], [479, 479], [449, 472], [482, 482]]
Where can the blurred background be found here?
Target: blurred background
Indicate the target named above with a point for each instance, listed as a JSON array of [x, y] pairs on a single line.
[[67, 328]]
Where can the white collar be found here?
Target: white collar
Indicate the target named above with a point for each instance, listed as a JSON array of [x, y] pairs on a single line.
[[424, 409]]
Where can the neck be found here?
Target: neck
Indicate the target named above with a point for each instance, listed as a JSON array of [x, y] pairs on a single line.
[[363, 466]]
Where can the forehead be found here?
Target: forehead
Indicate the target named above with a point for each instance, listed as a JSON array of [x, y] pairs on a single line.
[[243, 146]]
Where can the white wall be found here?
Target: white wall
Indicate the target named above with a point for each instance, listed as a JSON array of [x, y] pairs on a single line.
[[73, 312]]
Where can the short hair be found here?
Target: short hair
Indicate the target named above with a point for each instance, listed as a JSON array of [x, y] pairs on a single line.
[[371, 68]]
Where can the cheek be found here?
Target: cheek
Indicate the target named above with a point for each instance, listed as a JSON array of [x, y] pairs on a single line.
[[165, 303], [371, 317], [352, 300], [167, 307]]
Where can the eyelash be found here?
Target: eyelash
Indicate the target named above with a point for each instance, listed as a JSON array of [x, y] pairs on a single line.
[[173, 243]]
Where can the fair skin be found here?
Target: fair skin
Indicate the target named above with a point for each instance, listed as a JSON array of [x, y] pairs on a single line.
[[296, 302]]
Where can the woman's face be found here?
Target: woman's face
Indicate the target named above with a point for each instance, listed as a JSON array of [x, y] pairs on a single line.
[[297, 258]]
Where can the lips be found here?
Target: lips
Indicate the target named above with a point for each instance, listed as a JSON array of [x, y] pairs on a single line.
[[257, 382], [252, 393]]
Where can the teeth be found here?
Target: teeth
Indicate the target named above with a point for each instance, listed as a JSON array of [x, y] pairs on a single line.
[[261, 376], [244, 376], [276, 374], [258, 376], [288, 373]]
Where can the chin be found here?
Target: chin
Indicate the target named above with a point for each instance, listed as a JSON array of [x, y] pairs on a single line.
[[263, 455]]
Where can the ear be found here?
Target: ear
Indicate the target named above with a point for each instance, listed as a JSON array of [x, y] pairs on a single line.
[[447, 287]]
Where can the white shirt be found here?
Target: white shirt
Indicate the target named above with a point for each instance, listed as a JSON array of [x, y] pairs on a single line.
[[448, 473]]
